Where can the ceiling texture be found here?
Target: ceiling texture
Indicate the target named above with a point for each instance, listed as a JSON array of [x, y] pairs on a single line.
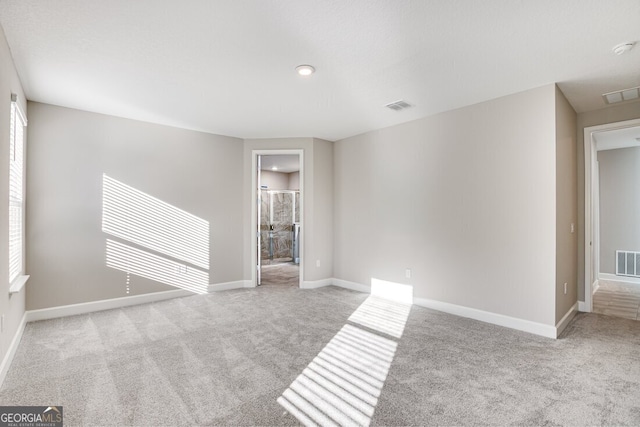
[[227, 66]]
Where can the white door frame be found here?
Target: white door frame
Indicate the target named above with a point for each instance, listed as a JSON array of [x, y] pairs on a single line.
[[592, 209], [254, 209]]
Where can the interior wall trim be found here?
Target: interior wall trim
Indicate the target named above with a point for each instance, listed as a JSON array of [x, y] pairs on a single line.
[[536, 328], [566, 319], [255, 153], [314, 284], [613, 278], [591, 216], [352, 285], [89, 307], [13, 348], [229, 285], [107, 304], [93, 306]]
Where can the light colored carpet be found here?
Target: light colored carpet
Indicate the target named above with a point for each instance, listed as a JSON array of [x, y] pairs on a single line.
[[225, 359]]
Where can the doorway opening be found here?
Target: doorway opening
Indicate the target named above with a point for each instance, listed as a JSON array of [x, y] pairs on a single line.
[[612, 232], [277, 217]]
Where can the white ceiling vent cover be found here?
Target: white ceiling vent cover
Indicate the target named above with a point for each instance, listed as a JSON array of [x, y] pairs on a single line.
[[398, 105], [622, 95]]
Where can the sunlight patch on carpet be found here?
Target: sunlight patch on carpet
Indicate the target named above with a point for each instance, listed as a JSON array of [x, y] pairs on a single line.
[[342, 384]]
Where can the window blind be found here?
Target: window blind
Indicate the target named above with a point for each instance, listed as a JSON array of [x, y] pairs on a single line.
[[16, 190]]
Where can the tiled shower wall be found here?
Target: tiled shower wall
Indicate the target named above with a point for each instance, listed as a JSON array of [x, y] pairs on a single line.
[[281, 235]]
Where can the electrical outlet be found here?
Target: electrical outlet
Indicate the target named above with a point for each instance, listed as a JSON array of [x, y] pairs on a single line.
[[407, 273], [317, 263], [573, 228], [565, 288]]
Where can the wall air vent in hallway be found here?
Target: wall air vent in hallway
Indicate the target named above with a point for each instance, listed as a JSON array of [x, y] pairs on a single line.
[[627, 263], [398, 105]]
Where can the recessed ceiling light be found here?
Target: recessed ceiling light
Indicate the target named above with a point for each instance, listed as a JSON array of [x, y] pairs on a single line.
[[305, 70], [274, 168], [623, 48]]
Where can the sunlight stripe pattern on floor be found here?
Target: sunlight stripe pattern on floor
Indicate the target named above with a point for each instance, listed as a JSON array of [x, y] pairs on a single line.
[[341, 386]]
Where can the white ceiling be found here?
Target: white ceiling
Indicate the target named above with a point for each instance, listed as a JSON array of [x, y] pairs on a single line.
[[618, 138], [227, 66], [284, 163]]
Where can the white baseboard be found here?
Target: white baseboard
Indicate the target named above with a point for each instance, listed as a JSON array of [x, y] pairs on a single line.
[[613, 278], [582, 306], [107, 304], [313, 284], [228, 285], [352, 285], [11, 351], [471, 313], [562, 324], [548, 331]]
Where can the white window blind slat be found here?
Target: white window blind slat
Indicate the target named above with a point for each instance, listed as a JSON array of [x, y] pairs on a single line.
[[16, 191]]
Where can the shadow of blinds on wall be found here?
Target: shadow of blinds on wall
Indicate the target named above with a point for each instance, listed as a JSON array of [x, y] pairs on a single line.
[[163, 243]]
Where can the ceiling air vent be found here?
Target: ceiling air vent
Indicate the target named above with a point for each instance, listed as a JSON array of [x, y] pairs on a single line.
[[398, 105], [622, 95]]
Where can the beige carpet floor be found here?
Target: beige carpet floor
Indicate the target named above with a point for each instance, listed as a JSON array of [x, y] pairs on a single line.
[[224, 359]]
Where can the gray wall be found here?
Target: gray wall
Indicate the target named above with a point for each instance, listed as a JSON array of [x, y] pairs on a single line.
[[318, 202], [69, 150], [294, 181], [427, 138], [323, 225], [611, 114], [11, 306], [274, 180], [566, 207], [466, 199], [619, 204]]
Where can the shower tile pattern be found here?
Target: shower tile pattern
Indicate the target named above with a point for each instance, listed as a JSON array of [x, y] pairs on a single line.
[[281, 237]]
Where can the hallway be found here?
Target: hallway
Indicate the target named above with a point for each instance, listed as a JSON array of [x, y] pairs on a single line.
[[617, 299]]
